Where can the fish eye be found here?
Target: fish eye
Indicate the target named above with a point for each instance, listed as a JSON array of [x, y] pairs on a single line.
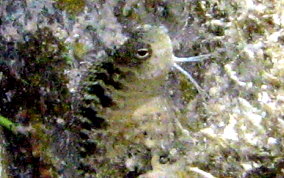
[[142, 53]]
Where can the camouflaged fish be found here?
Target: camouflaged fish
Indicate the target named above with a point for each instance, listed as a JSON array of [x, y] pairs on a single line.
[[125, 118]]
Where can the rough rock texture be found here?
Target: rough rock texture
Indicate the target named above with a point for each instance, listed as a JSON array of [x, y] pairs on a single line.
[[46, 46]]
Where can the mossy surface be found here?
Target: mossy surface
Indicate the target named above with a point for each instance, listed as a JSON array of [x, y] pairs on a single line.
[[39, 96], [73, 7], [188, 90]]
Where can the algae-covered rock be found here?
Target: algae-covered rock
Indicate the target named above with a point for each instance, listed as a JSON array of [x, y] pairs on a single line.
[[235, 129]]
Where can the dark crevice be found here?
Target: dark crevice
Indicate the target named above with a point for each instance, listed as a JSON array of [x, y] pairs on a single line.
[[133, 174], [85, 168], [88, 148], [99, 91], [83, 136], [95, 122], [20, 152]]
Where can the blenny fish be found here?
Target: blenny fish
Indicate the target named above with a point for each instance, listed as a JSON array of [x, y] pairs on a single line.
[[124, 117]]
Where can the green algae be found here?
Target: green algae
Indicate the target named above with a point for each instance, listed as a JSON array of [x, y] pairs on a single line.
[[41, 95], [73, 7], [45, 65], [79, 50], [45, 60], [7, 124], [189, 91], [4, 163], [137, 12]]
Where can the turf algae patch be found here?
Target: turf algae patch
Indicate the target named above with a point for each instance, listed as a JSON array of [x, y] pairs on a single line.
[[170, 13], [188, 90], [35, 95], [73, 7], [79, 50], [3, 158], [242, 82]]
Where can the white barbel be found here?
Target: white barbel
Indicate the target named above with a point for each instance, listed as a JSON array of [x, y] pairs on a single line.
[[199, 58]]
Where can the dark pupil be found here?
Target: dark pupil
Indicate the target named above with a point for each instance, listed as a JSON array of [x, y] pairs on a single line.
[[142, 52]]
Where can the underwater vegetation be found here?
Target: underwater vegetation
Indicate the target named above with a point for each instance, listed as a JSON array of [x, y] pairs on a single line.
[[71, 6], [59, 88], [32, 95]]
